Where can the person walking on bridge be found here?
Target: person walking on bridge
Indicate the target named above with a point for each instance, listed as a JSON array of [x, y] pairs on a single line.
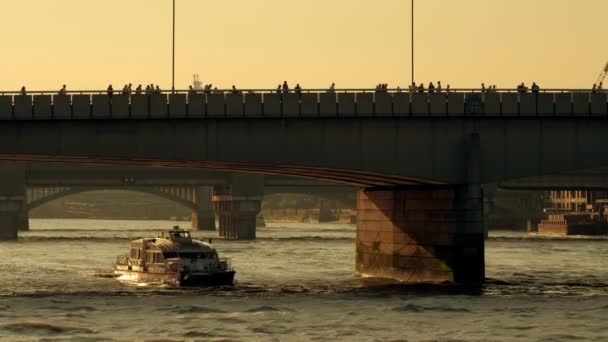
[[110, 91], [285, 88], [23, 91], [535, 88], [63, 90], [138, 90]]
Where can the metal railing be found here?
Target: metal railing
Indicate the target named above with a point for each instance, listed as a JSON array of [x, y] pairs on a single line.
[[302, 91]]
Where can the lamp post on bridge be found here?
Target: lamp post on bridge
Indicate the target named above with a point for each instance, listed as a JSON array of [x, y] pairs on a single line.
[[413, 42], [173, 58]]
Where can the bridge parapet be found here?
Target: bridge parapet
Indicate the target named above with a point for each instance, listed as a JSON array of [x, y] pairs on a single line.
[[310, 104]]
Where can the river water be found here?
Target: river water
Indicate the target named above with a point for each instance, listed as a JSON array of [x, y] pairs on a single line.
[[295, 283]]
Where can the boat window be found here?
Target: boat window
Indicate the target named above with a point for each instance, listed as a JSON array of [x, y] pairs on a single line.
[[170, 255], [180, 235]]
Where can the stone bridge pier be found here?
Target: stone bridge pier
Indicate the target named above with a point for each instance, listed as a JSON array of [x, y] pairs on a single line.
[[12, 200], [238, 206], [424, 234], [203, 216]]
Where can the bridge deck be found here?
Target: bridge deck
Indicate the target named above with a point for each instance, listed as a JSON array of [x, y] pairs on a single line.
[[45, 106]]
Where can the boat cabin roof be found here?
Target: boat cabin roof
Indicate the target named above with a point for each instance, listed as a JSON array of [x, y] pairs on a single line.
[[174, 240]]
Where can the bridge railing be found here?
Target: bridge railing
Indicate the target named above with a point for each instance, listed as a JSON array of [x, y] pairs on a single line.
[[309, 103]]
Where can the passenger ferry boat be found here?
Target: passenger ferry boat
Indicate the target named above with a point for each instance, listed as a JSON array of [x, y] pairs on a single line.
[[174, 258]]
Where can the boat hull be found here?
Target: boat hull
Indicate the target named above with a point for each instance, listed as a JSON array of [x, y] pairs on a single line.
[[177, 279]]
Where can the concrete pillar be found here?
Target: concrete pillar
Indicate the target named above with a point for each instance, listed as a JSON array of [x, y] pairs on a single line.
[[421, 235], [12, 199], [203, 216], [260, 221], [24, 219], [325, 212], [425, 234], [238, 206], [238, 217]]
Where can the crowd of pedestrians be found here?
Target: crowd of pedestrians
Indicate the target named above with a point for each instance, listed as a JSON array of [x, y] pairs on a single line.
[[284, 88]]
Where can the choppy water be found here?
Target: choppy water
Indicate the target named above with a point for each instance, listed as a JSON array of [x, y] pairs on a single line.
[[296, 283]]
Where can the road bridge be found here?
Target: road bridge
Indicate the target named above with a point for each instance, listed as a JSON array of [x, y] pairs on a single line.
[[419, 159]]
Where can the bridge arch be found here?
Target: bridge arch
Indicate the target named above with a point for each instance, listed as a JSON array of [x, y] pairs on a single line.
[[37, 196]]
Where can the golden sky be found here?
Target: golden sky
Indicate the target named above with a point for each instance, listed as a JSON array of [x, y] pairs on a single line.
[[259, 43]]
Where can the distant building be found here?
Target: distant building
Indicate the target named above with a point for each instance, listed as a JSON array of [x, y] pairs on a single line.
[[197, 84], [573, 200]]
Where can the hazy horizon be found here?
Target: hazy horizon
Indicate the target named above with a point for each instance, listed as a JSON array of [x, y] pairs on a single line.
[[258, 44]]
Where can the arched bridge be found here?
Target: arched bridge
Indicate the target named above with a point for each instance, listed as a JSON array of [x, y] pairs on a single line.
[[183, 195], [418, 158]]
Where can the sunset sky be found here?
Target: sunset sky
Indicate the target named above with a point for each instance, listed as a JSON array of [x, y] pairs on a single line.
[[259, 43]]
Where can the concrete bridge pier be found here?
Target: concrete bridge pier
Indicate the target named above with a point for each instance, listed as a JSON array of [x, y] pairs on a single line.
[[424, 234], [325, 212], [12, 199], [260, 220], [239, 205], [24, 220], [203, 216]]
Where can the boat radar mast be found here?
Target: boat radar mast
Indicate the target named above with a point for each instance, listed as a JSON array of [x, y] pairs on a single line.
[[196, 82]]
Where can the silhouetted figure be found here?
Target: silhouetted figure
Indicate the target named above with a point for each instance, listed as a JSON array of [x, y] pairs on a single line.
[[285, 87], [138, 90], [63, 90], [110, 91], [439, 87], [332, 88], [413, 87], [129, 89], [594, 89], [23, 91], [157, 90], [125, 90], [447, 89], [601, 86], [279, 89], [522, 88], [483, 87], [191, 90], [421, 88], [398, 89], [431, 88], [234, 90], [298, 89], [535, 88]]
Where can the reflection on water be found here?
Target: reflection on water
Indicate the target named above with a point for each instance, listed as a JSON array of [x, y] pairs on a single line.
[[296, 282]]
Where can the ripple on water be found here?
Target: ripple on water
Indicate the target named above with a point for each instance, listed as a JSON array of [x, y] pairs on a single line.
[[268, 309], [420, 308], [189, 309], [43, 328]]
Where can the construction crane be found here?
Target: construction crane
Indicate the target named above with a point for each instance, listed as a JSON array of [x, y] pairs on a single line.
[[603, 75]]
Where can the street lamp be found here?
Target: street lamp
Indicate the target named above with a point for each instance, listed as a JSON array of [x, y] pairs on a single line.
[[173, 63], [413, 42]]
